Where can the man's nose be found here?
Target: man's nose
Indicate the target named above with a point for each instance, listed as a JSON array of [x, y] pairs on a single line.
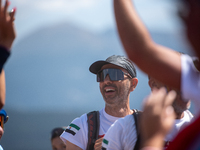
[[107, 79]]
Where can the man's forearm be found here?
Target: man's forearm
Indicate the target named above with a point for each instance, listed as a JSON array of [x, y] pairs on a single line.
[[153, 59], [132, 31], [2, 89]]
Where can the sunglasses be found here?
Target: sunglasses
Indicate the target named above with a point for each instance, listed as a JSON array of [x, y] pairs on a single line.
[[114, 74]]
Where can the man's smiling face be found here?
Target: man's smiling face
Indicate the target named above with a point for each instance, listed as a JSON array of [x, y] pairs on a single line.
[[115, 91]]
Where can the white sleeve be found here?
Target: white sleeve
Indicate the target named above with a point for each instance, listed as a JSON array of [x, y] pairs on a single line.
[[121, 135], [77, 132], [190, 80]]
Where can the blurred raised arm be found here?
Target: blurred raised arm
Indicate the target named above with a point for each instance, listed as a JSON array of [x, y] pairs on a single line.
[[158, 61], [7, 36], [2, 89]]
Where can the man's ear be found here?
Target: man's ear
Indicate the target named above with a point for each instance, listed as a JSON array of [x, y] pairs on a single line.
[[134, 82], [150, 82]]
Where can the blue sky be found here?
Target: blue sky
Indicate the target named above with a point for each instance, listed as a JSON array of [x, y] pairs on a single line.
[[94, 15]]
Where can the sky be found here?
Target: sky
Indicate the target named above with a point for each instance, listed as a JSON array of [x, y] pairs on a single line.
[[93, 15]]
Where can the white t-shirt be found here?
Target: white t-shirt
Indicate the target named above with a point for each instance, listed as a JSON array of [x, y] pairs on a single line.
[[78, 134], [190, 81], [122, 135], [179, 124]]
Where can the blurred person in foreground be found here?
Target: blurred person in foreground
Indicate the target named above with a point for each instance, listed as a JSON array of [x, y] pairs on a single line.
[[56, 142], [183, 116], [158, 115], [167, 66], [117, 79], [3, 119], [122, 134], [181, 141], [7, 36], [162, 63]]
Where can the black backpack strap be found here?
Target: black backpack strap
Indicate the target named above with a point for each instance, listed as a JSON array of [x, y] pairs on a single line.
[[136, 116], [93, 128]]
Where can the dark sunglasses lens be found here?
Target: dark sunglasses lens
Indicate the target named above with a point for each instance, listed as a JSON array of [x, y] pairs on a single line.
[[100, 76], [114, 74]]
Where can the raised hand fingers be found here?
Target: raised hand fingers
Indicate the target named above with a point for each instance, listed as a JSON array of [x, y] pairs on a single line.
[[6, 8], [167, 114], [12, 14], [156, 99], [158, 103], [158, 113], [7, 30], [169, 98]]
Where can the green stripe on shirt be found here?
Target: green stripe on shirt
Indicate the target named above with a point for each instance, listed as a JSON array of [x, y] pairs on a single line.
[[74, 126], [105, 141]]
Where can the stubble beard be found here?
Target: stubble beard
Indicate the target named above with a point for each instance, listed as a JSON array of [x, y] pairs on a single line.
[[120, 96]]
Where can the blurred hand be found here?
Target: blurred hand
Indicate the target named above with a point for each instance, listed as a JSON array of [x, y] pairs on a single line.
[[157, 118], [7, 31], [98, 144]]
